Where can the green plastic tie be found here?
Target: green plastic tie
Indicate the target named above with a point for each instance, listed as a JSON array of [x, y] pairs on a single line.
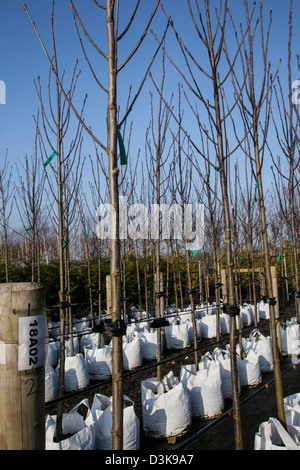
[[123, 157], [196, 254], [279, 257], [50, 158], [27, 229]]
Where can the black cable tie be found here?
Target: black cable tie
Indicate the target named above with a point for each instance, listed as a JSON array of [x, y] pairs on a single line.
[[217, 286], [192, 291], [269, 300], [117, 328], [232, 310], [160, 294], [159, 322]]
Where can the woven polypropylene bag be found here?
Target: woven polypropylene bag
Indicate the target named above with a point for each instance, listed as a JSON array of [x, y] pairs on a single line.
[[165, 413]]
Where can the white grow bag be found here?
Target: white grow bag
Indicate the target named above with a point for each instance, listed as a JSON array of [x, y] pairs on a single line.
[[102, 414], [191, 330], [200, 311], [204, 388], [54, 329], [81, 325], [224, 323], [89, 340], [271, 435], [148, 344], [263, 310], [251, 309], [82, 430], [292, 414], [166, 407], [177, 336], [249, 370], [246, 315], [99, 362], [263, 349], [76, 373], [209, 326], [51, 383], [52, 353], [68, 345], [290, 338], [223, 358], [132, 354]]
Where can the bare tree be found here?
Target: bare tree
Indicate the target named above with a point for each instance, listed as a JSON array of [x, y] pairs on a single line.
[[212, 36], [29, 202], [157, 157], [111, 9], [6, 194], [55, 123], [287, 135], [251, 111]]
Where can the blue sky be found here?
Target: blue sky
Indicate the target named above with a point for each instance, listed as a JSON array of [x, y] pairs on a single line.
[[23, 60]]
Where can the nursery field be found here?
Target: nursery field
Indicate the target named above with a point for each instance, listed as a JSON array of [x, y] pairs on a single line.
[[149, 225], [258, 399]]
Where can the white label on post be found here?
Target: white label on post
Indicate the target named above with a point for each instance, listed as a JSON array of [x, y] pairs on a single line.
[[31, 342]]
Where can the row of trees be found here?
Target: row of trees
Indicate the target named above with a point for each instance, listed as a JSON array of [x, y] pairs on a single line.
[[235, 98], [32, 255]]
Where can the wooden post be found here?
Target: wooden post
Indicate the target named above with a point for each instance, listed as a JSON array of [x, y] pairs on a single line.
[[108, 295], [263, 290], [22, 372], [159, 314], [224, 286], [275, 295]]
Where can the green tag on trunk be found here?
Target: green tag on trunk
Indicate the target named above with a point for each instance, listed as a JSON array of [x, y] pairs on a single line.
[[123, 157], [50, 158]]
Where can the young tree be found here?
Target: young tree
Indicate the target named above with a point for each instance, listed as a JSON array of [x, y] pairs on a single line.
[[30, 196], [54, 126], [111, 9], [255, 101], [211, 34], [287, 128], [6, 194]]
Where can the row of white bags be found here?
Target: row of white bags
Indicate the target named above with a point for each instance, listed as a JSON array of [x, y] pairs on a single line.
[[168, 406], [93, 432], [211, 384], [272, 435], [79, 326], [96, 364]]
